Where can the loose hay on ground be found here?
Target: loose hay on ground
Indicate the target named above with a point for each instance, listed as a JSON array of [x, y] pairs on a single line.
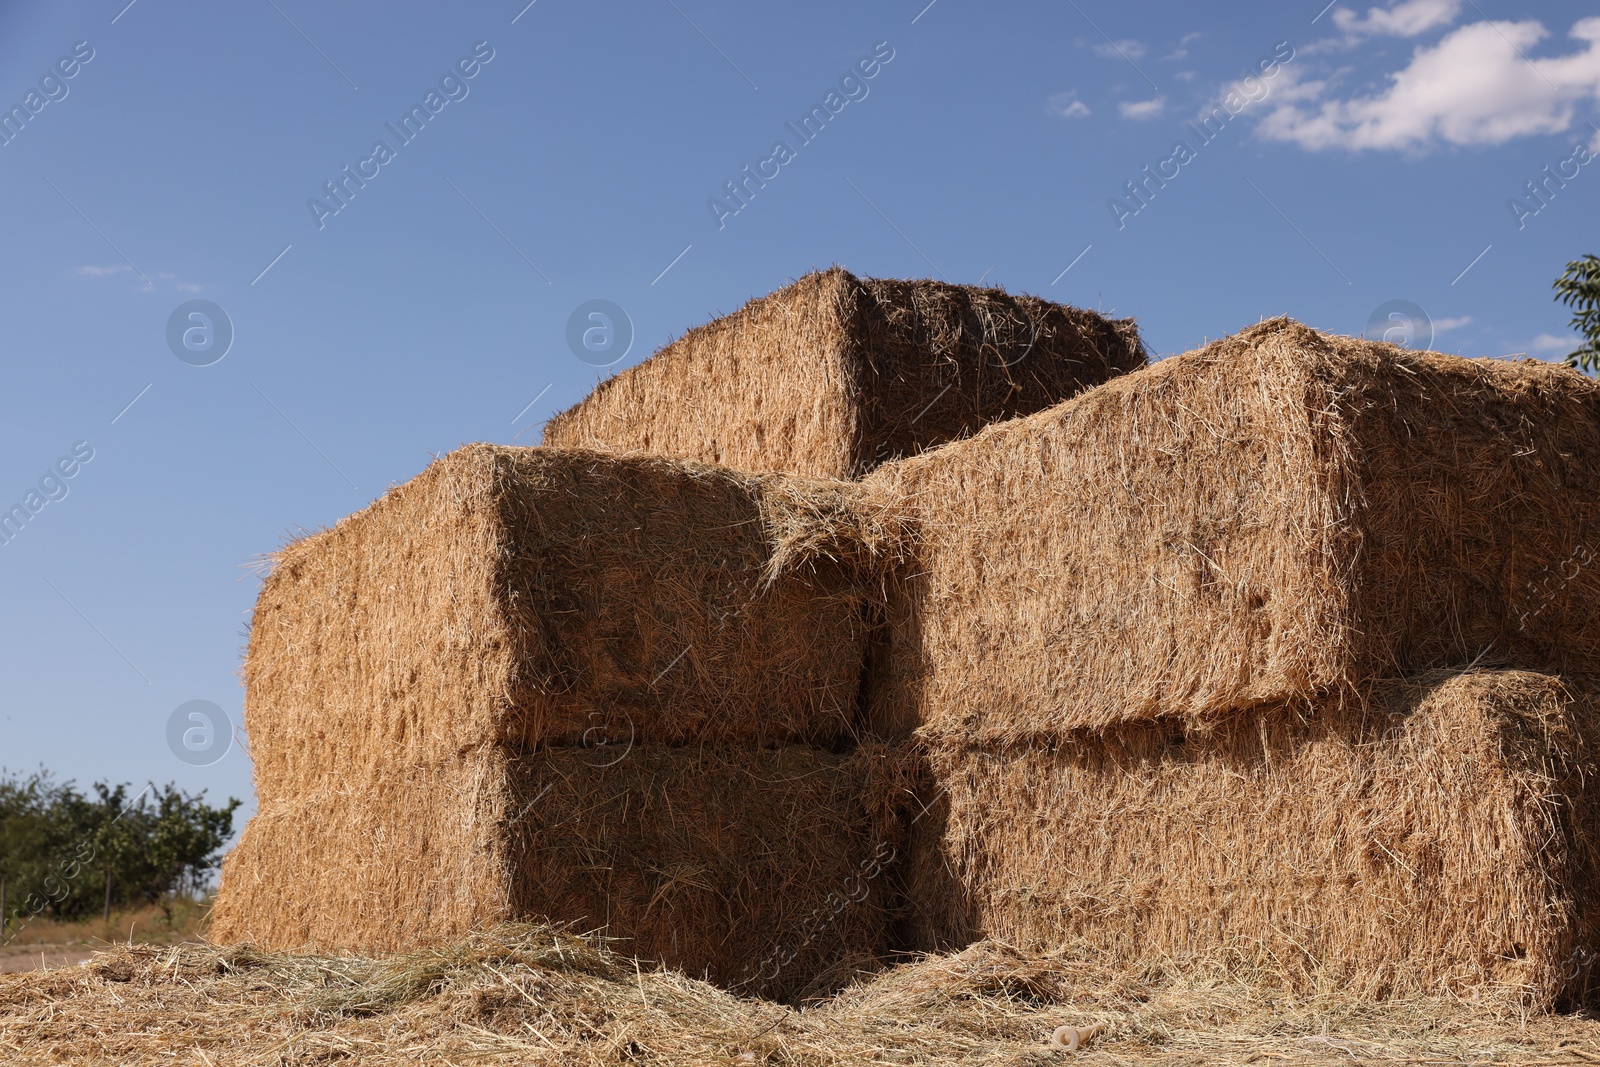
[[835, 374], [530, 995]]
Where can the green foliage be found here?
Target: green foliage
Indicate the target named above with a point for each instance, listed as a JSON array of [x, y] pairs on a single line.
[[1579, 289], [58, 845]]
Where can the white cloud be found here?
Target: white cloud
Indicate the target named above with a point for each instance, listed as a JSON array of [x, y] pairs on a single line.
[[1472, 88], [1142, 109], [1405, 19], [1447, 324], [1549, 344], [1285, 87], [1129, 49], [1068, 106], [1182, 49], [144, 283]]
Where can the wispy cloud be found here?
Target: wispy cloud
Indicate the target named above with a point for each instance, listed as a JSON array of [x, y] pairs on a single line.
[[1129, 49], [1068, 106], [1446, 324], [1181, 51], [1142, 109], [182, 287], [1477, 86], [1550, 346], [1406, 19], [92, 271]]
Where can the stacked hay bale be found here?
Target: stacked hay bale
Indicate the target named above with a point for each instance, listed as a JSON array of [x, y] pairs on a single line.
[[836, 374], [1440, 840], [614, 691], [1179, 668], [623, 691], [1142, 638]]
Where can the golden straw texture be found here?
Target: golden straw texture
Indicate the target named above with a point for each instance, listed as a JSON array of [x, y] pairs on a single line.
[[760, 869], [1278, 515], [521, 995], [835, 374], [1440, 841], [533, 596]]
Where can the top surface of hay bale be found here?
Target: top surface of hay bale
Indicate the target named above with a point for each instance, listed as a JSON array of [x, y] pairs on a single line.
[[1276, 515], [835, 374], [532, 596]]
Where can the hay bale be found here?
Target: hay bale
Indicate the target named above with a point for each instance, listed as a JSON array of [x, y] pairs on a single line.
[[531, 597], [383, 863], [1443, 840], [835, 374], [761, 870], [1278, 515], [758, 869]]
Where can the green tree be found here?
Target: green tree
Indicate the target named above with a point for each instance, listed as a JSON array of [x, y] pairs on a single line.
[[68, 854], [27, 838], [1579, 288]]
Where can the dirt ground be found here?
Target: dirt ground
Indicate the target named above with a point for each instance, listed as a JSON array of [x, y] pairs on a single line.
[[43, 957]]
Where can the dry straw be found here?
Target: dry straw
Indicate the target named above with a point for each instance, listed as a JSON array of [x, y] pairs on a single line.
[[1440, 841], [1276, 516], [533, 995], [379, 863], [746, 867], [606, 690], [835, 374], [530, 596], [753, 869]]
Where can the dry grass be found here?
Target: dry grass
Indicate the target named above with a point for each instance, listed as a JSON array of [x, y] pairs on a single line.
[[148, 924], [1281, 514], [836, 374], [530, 995]]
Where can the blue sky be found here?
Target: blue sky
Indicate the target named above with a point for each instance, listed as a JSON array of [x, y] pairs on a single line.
[[1367, 155]]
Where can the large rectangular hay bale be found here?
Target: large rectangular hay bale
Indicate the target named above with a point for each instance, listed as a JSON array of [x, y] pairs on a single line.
[[372, 864], [759, 870], [533, 596], [755, 868], [1278, 515], [835, 374], [1441, 841]]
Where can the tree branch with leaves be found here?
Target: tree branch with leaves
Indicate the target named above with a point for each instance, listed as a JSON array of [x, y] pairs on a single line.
[[1579, 289]]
